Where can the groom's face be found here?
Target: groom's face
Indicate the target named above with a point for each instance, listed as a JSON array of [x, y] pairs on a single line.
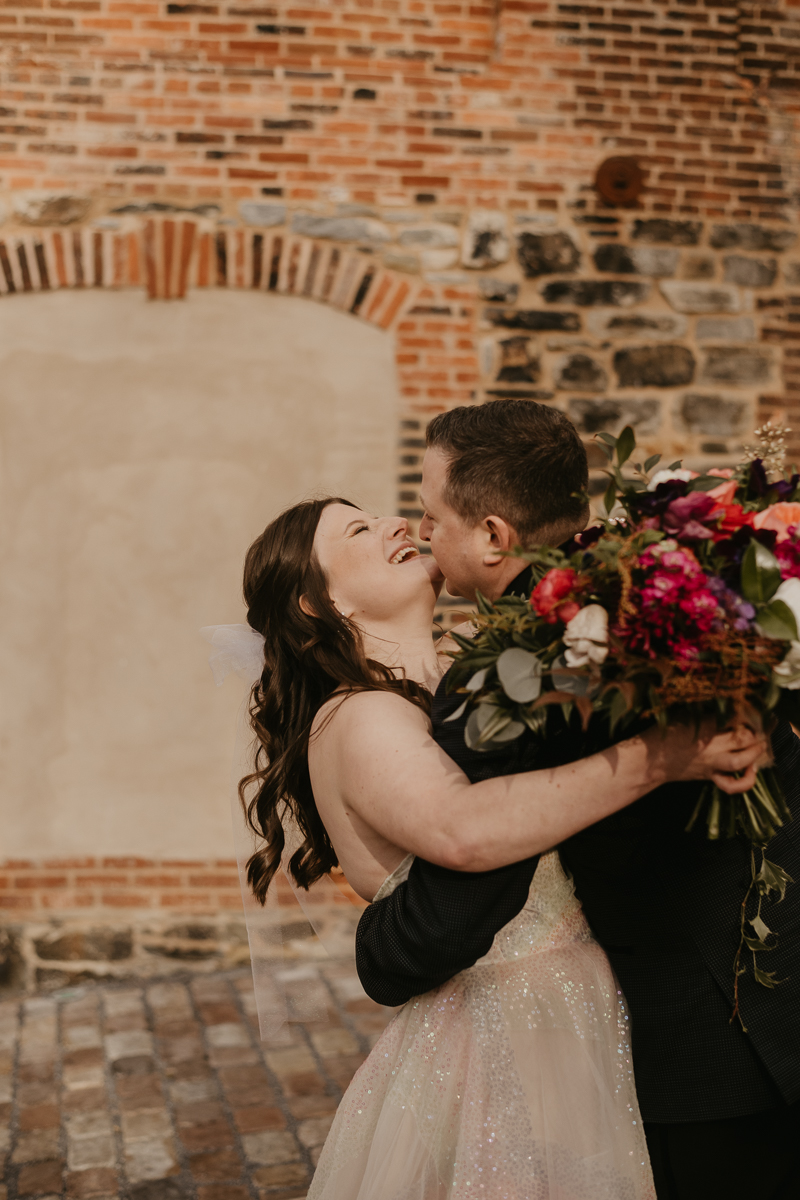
[[466, 553]]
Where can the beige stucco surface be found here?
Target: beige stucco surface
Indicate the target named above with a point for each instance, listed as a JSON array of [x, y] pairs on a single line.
[[143, 446]]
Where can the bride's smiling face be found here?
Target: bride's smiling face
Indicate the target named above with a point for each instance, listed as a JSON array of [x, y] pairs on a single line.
[[373, 569]]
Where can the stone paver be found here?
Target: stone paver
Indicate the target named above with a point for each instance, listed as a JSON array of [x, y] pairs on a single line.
[[162, 1090]]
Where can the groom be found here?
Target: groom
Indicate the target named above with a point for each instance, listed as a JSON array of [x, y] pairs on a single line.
[[721, 1107]]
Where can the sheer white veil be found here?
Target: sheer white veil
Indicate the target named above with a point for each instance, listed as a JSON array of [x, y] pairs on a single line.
[[287, 985]]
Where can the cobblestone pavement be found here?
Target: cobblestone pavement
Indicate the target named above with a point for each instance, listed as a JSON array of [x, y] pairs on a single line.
[[163, 1091]]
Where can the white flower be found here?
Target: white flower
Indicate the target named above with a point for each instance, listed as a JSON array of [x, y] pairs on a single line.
[[789, 593], [586, 637], [787, 673], [663, 476]]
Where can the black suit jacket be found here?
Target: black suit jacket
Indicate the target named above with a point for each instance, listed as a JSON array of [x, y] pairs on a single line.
[[664, 905]]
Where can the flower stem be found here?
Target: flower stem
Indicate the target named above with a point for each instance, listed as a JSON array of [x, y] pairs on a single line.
[[738, 969]]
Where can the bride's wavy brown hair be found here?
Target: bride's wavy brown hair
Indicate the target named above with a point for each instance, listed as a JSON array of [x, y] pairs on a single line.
[[306, 658]]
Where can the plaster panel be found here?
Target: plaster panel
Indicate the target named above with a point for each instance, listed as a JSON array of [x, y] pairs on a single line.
[[144, 446]]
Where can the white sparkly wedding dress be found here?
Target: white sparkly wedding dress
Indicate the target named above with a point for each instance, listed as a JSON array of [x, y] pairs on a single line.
[[513, 1081]]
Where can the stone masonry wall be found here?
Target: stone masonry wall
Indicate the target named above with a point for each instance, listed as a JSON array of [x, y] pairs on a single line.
[[68, 921], [593, 205]]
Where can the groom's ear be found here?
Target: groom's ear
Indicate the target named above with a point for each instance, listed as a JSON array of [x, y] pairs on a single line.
[[500, 537]]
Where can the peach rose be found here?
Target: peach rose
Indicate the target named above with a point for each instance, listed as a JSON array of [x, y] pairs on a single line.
[[724, 492], [780, 517]]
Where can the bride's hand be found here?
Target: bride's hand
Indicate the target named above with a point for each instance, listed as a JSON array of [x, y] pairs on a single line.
[[730, 759]]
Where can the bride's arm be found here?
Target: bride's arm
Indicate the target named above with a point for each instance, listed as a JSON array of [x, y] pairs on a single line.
[[377, 751]]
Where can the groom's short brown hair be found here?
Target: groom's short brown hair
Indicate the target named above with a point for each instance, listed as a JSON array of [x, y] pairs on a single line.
[[519, 460]]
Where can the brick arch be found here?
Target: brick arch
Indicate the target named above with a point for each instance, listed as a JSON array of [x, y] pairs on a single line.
[[171, 256]]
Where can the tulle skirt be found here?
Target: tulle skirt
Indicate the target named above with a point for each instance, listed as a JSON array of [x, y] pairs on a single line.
[[513, 1081]]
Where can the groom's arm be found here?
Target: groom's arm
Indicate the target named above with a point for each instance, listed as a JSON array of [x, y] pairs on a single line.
[[434, 925]]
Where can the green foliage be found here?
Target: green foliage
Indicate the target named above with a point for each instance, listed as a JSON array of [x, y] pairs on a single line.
[[761, 573], [776, 620]]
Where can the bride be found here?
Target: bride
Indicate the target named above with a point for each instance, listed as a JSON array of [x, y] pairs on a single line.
[[514, 1080]]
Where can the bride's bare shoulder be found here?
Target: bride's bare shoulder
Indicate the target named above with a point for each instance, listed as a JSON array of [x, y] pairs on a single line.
[[348, 712]]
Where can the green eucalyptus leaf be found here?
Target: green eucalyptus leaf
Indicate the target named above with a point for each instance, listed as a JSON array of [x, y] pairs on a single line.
[[477, 681], [762, 930], [617, 710], [776, 620], [651, 462], [755, 945], [610, 498], [626, 444], [676, 466], [761, 574], [507, 734], [608, 438], [520, 674], [771, 877], [765, 978], [458, 713]]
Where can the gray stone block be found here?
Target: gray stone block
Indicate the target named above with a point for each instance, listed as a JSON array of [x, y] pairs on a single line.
[[340, 229], [699, 266], [701, 297], [50, 208], [519, 363], [547, 254], [579, 373], [737, 364], [486, 241], [401, 262], [725, 329], [745, 235], [254, 212], [635, 260], [597, 416], [612, 323], [658, 229], [654, 366], [497, 289], [100, 944], [527, 318], [712, 414], [749, 272], [590, 292], [436, 236]]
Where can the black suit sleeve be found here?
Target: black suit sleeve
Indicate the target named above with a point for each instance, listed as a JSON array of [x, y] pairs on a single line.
[[437, 923]]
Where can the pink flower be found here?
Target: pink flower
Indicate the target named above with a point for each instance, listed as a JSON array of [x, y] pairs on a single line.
[[788, 556], [780, 517], [677, 604], [721, 472]]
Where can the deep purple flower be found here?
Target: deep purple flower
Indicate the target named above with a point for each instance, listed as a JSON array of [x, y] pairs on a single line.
[[732, 549], [785, 488], [757, 484], [651, 504], [684, 516]]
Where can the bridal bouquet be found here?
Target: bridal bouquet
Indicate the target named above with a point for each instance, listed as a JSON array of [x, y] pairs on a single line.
[[683, 604]]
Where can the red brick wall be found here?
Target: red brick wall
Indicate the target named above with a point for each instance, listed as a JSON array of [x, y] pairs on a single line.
[[506, 106], [30, 889]]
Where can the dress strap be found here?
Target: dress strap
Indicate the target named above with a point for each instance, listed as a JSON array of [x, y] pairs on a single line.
[[399, 875]]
